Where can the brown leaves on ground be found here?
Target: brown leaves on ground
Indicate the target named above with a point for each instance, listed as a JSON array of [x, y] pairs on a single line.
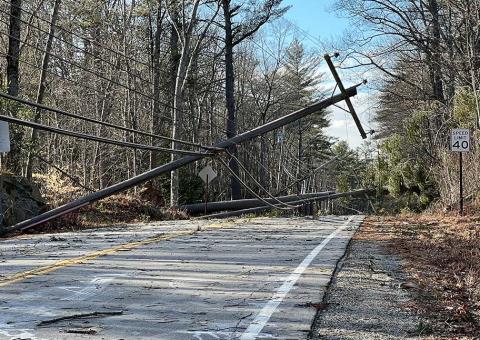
[[114, 210], [442, 256]]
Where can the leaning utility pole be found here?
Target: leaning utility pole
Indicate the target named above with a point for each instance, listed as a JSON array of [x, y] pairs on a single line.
[[174, 165]]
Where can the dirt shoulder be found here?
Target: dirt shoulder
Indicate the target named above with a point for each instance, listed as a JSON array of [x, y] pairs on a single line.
[[406, 277]]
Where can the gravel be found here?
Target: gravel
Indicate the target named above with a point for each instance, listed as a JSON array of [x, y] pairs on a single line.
[[368, 297]]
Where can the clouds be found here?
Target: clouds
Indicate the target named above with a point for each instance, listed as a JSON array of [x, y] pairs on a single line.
[[342, 125]]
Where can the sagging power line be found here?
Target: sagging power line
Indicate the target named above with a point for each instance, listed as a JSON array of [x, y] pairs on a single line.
[[95, 121], [96, 138], [111, 80]]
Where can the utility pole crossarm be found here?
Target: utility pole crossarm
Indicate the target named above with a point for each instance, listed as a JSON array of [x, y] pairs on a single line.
[[328, 59]]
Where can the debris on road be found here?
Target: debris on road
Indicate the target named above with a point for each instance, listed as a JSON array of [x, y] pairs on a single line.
[[241, 278], [79, 316], [86, 331]]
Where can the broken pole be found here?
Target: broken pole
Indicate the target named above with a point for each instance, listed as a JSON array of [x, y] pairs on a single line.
[[174, 165]]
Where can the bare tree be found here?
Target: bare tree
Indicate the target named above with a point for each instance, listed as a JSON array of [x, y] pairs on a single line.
[[189, 45], [42, 86], [13, 73], [258, 14]]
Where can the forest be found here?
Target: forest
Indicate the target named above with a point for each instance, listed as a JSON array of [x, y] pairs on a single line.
[[145, 81], [426, 54]]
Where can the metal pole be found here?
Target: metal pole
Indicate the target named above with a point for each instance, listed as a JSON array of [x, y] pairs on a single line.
[[461, 183], [206, 196], [166, 168]]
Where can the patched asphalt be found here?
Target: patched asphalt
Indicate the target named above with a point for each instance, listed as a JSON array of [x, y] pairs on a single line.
[[239, 279]]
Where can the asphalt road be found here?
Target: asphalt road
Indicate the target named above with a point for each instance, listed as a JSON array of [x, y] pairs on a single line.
[[236, 279]]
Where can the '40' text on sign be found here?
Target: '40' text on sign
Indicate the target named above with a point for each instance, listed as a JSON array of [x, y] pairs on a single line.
[[460, 140]]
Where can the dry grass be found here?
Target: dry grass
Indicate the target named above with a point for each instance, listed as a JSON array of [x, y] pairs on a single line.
[[442, 256]]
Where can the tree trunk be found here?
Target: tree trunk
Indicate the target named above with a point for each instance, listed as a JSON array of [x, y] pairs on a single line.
[[12, 161], [436, 62], [230, 97], [179, 62], [157, 114], [300, 156], [13, 57], [42, 87]]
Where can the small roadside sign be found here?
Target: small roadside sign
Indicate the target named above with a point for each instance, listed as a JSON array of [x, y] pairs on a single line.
[[207, 174], [4, 137], [280, 137], [460, 140]]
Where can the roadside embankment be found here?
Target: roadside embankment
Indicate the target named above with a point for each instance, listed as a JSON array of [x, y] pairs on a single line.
[[409, 276]]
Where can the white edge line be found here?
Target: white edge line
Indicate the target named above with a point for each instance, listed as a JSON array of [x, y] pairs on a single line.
[[267, 311]]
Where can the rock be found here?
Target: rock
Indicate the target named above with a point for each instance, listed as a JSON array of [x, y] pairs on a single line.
[[19, 200]]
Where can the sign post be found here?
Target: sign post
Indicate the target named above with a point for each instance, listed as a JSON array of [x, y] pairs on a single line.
[[460, 142], [207, 175], [4, 137]]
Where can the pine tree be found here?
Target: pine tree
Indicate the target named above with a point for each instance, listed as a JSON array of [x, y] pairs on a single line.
[[302, 89]]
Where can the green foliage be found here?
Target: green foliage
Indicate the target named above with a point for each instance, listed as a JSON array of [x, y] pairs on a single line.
[[415, 127], [402, 171], [348, 172], [191, 188], [464, 108]]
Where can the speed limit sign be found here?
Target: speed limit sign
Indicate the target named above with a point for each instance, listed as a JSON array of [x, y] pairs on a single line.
[[460, 140]]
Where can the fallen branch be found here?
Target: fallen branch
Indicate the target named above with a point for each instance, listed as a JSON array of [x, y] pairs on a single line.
[[79, 316], [88, 331]]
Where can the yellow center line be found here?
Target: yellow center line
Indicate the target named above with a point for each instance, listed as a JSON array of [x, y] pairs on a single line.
[[123, 247]]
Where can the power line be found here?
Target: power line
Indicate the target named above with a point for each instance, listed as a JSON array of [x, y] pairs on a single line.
[[96, 138], [176, 164], [63, 172], [91, 120], [252, 157], [306, 34], [86, 51], [78, 35], [250, 189], [245, 170], [309, 175], [99, 91], [80, 67], [110, 80]]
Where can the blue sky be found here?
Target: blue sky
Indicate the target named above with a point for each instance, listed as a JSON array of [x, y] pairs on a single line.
[[317, 21], [316, 17]]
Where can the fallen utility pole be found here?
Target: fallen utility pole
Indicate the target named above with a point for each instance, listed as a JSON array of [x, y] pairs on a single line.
[[166, 168], [198, 208], [299, 201]]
